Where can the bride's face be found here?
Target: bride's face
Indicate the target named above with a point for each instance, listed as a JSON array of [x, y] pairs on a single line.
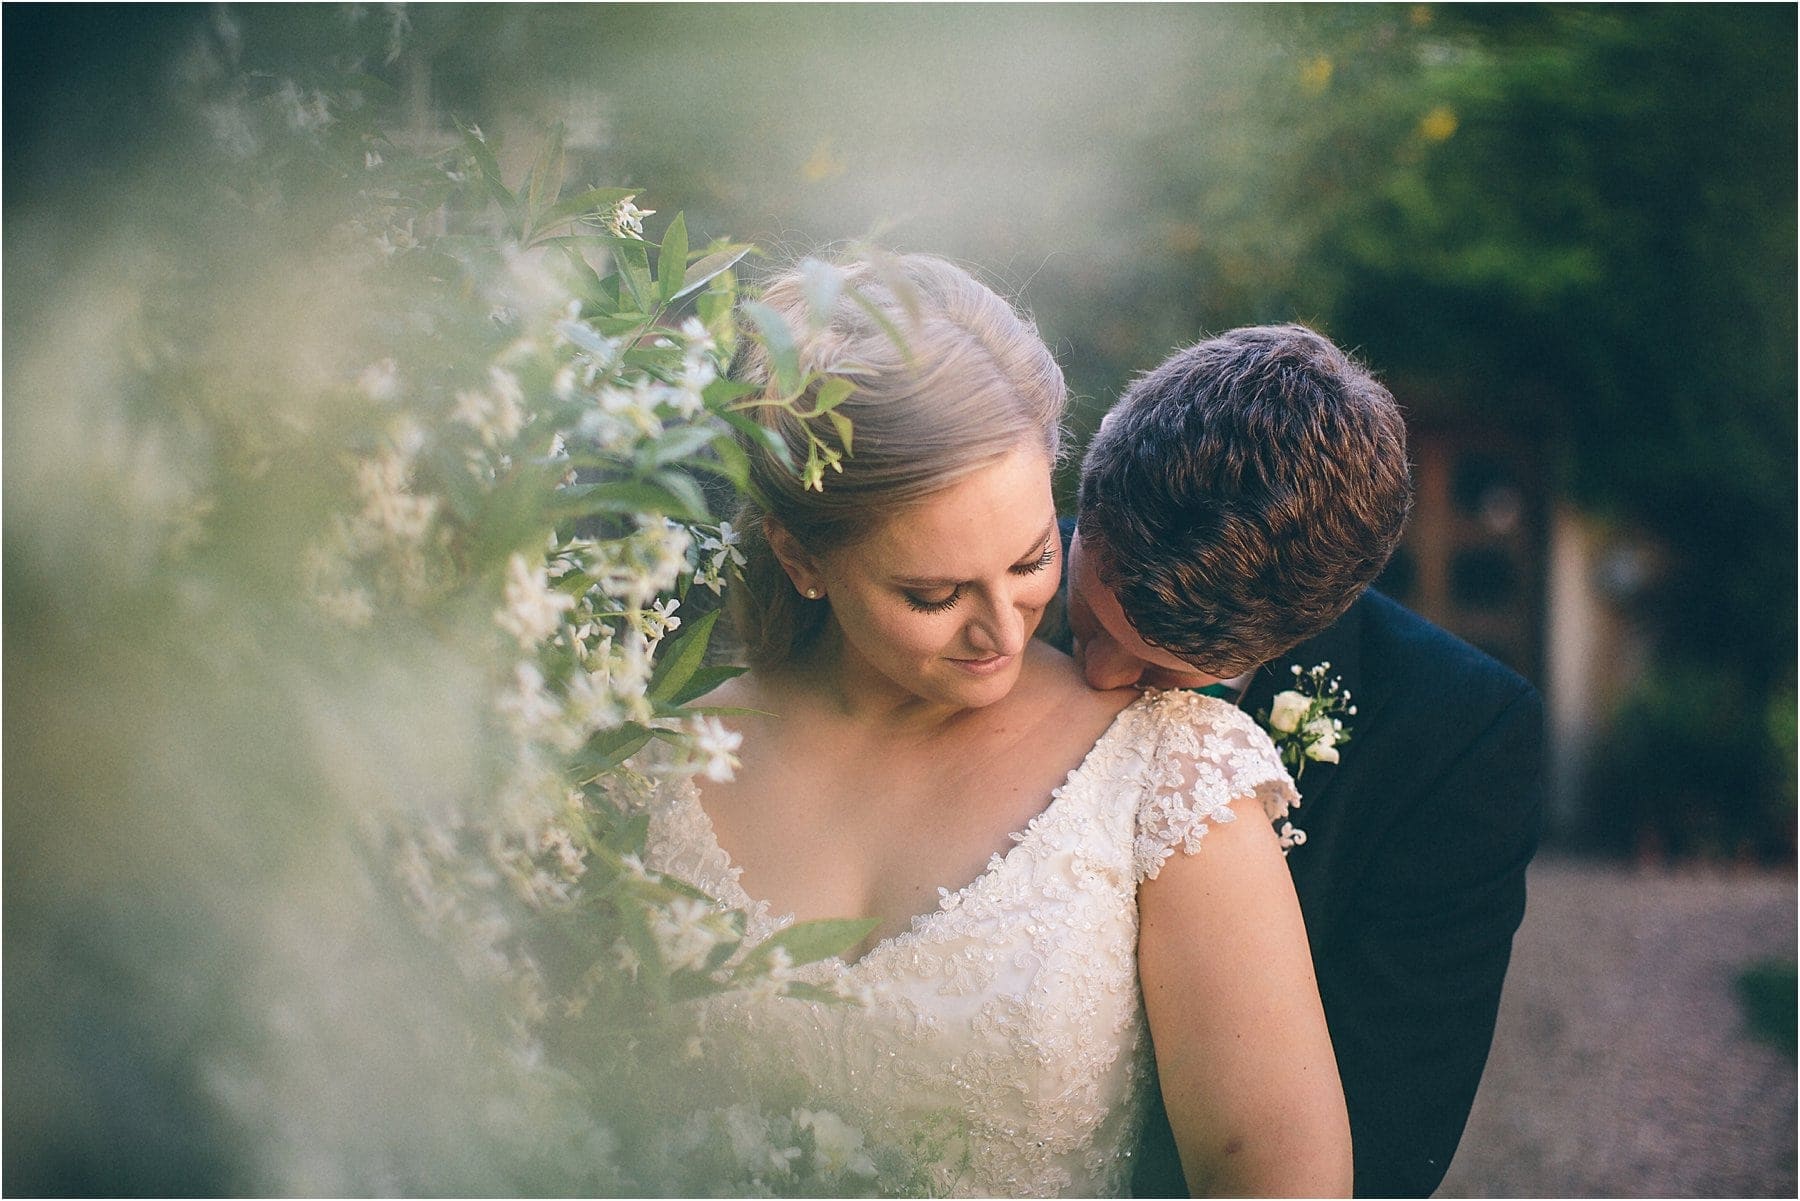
[[941, 598]]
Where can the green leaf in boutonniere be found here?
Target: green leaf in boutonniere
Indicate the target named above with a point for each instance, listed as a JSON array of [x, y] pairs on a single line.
[[1306, 722]]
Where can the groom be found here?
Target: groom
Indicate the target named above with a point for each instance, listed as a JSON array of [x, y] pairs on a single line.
[[1234, 506]]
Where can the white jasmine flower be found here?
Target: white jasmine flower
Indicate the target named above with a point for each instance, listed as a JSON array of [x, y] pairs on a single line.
[[533, 609], [529, 708], [666, 546], [1289, 708], [723, 547], [387, 505], [497, 417], [717, 746], [591, 703], [626, 957], [856, 994], [658, 620], [628, 666], [627, 219], [555, 840], [380, 381], [685, 933], [371, 160]]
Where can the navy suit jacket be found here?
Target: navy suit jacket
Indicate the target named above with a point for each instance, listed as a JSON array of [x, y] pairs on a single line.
[[1411, 882]]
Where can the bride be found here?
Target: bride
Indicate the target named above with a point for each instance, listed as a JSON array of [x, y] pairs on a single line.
[[1026, 845]]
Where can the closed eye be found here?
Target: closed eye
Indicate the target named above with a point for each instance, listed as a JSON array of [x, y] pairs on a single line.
[[921, 604], [1038, 564]]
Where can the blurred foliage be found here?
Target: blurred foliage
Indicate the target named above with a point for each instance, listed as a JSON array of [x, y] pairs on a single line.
[[354, 541], [1767, 992], [1694, 765]]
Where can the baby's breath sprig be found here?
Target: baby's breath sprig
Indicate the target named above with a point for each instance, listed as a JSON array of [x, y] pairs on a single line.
[[1306, 722]]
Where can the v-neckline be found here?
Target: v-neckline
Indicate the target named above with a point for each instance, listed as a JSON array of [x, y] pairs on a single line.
[[918, 924]]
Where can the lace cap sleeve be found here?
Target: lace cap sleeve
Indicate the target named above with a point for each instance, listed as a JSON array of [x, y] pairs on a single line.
[[1206, 758]]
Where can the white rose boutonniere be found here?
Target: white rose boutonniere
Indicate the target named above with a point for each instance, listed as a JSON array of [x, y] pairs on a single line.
[[1306, 722]]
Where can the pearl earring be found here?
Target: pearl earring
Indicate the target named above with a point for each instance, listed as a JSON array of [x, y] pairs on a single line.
[[812, 594]]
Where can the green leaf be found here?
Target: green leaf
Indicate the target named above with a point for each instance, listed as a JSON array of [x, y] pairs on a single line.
[[844, 429], [722, 392], [575, 584], [544, 183], [783, 355], [705, 270], [807, 942], [634, 832], [609, 748], [703, 681], [623, 322], [671, 262], [714, 310], [679, 443], [634, 270], [800, 990], [587, 280], [832, 393], [683, 486], [681, 658], [625, 496], [609, 241], [726, 711], [489, 168], [733, 464], [512, 517], [880, 318], [770, 441]]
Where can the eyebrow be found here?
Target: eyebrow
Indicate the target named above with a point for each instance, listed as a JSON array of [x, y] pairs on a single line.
[[1036, 548]]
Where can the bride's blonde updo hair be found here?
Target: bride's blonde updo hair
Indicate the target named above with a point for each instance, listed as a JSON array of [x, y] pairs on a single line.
[[971, 383]]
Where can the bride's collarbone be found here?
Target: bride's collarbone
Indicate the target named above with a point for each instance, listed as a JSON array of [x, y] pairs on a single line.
[[849, 827]]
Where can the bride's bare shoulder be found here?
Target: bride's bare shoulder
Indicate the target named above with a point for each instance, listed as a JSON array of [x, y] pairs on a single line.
[[1055, 682]]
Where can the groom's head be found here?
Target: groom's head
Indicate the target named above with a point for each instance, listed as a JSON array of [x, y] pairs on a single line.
[[1234, 503]]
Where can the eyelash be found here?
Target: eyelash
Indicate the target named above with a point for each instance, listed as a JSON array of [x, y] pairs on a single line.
[[942, 606]]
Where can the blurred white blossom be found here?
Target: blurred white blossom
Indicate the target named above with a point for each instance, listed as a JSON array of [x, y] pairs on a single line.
[[716, 748], [533, 609]]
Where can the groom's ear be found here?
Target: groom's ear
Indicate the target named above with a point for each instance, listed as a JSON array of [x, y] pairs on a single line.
[[801, 567]]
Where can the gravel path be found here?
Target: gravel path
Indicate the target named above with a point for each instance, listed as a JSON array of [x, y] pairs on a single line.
[[1620, 1065]]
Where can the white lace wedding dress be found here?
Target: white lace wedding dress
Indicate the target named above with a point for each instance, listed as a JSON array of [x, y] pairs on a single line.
[[1001, 1049]]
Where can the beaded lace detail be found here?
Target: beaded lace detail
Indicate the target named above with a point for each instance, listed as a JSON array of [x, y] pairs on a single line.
[[1003, 1048]]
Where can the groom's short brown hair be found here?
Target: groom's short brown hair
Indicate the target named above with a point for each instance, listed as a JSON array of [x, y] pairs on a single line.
[[1240, 496]]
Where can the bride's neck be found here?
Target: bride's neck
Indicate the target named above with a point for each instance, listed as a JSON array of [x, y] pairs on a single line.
[[835, 678]]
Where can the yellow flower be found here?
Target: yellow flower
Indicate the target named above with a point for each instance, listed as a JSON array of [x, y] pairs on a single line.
[[823, 164], [1315, 76], [1438, 124]]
